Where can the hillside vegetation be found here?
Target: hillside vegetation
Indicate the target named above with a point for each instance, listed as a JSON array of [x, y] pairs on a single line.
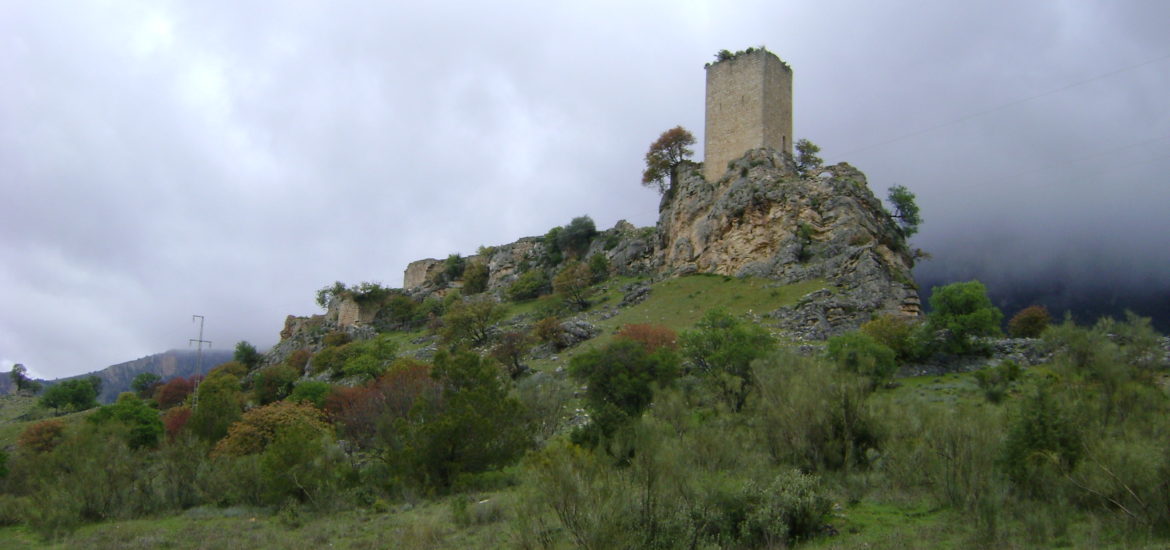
[[434, 445]]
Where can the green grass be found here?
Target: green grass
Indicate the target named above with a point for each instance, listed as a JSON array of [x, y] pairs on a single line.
[[679, 303]]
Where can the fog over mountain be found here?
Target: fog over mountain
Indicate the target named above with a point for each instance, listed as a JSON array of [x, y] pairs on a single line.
[[227, 159]]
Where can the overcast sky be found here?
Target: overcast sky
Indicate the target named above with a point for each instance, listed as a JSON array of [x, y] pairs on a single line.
[[163, 159]]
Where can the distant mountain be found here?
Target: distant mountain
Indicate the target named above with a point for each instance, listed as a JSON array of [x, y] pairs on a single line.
[[117, 378]]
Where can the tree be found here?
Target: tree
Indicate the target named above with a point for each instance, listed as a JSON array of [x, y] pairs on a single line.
[[327, 294], [145, 384], [573, 283], [78, 394], [1029, 322], [510, 350], [470, 428], [143, 426], [175, 391], [20, 377], [722, 348], [574, 238], [620, 379], [665, 156], [218, 402], [475, 278], [806, 156], [862, 354], [905, 210], [246, 353], [964, 311], [470, 321]]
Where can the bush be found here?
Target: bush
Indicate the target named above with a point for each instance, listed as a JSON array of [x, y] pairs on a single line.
[[964, 311], [620, 379], [858, 353], [510, 350], [722, 349], [78, 394], [174, 420], [995, 381], [814, 415], [175, 391], [1044, 441], [310, 391], [274, 382], [599, 267], [258, 427], [453, 267], [336, 338], [572, 283], [897, 332], [471, 321], [574, 239], [141, 422], [652, 337], [475, 278], [42, 437], [549, 331], [529, 285], [1029, 322]]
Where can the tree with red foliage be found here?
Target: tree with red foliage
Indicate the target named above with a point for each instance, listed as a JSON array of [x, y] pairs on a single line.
[[174, 420], [175, 391], [358, 412]]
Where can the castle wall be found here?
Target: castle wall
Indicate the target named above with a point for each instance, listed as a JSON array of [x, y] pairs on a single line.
[[417, 272], [749, 105]]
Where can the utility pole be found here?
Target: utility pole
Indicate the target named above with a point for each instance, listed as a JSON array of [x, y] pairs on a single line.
[[198, 351]]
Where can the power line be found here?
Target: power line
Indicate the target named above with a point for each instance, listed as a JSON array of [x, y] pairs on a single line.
[[1002, 106]]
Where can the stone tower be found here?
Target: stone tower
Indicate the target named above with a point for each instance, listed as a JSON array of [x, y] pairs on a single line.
[[749, 105]]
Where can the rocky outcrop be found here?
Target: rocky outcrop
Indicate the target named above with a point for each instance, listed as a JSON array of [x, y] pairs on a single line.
[[763, 219]]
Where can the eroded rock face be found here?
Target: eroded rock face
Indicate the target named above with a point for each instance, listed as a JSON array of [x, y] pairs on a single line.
[[765, 220]]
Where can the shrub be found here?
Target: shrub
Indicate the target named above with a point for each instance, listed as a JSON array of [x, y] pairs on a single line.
[[1044, 441], [310, 391], [722, 349], [531, 284], [142, 424], [552, 255], [453, 267], [995, 381], [298, 359], [274, 382], [859, 353], [258, 427], [549, 331], [175, 391], [471, 321], [572, 283], [575, 238], [218, 404], [813, 414], [42, 437], [897, 332], [475, 278], [599, 267], [174, 420], [620, 379], [510, 350], [336, 338], [145, 384], [652, 337], [246, 353], [1029, 322]]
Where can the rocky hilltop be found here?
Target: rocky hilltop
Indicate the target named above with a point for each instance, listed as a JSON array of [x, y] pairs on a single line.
[[762, 218]]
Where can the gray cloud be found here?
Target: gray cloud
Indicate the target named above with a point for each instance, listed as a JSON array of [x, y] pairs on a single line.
[[228, 158]]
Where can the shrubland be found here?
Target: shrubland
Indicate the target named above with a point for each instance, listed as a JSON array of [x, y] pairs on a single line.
[[685, 424]]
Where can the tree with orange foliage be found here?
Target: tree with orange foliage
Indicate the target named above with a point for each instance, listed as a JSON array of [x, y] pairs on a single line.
[[665, 156]]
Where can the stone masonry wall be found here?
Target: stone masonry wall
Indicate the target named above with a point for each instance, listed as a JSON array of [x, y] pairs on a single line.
[[749, 105]]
